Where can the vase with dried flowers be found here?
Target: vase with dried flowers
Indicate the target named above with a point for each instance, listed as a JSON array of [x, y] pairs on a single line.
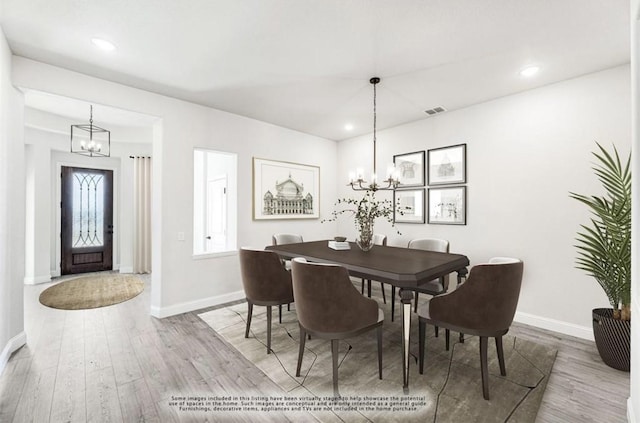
[[365, 211]]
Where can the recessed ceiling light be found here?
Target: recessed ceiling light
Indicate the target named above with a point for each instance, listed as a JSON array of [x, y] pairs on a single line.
[[529, 71], [348, 127], [103, 44]]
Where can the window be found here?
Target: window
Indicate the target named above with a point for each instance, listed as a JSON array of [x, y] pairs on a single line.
[[214, 201]]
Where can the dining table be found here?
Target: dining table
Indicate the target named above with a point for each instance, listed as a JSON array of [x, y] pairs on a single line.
[[405, 268]]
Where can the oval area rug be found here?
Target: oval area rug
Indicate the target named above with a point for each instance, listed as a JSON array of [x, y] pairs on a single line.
[[92, 291]]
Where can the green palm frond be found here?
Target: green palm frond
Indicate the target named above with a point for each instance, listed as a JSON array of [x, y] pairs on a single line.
[[604, 246]]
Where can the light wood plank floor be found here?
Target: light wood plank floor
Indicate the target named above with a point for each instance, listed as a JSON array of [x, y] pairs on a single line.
[[118, 364]]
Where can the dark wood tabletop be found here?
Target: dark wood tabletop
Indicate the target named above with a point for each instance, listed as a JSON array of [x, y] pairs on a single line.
[[402, 267]]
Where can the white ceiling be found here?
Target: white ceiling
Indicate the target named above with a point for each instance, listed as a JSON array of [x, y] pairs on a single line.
[[305, 64]]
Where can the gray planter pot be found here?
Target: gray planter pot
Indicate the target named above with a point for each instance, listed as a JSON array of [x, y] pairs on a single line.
[[613, 339]]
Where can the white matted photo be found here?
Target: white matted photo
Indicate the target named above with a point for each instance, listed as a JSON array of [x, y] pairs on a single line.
[[448, 205], [409, 206], [410, 168], [447, 165], [285, 190]]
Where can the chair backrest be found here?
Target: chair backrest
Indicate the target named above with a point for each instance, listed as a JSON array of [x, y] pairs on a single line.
[[327, 301], [486, 302], [379, 239], [263, 276], [502, 260], [280, 239], [430, 244]]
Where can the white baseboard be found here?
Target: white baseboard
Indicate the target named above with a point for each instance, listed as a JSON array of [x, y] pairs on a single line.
[[162, 312], [55, 273], [631, 416], [126, 269], [34, 280], [13, 344], [571, 329]]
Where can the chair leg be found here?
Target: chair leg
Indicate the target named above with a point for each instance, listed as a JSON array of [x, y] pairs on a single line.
[[280, 313], [446, 338], [436, 330], [422, 328], [288, 306], [303, 339], [384, 297], [461, 338], [369, 288], [484, 370], [334, 358], [269, 329], [249, 314], [415, 305], [393, 301], [362, 287], [379, 333], [503, 369]]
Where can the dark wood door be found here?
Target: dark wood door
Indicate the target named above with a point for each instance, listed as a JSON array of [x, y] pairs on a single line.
[[87, 220]]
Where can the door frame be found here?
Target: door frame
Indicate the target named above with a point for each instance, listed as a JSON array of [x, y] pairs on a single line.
[[58, 210]]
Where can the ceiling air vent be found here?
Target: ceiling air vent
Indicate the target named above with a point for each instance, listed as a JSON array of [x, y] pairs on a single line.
[[435, 110]]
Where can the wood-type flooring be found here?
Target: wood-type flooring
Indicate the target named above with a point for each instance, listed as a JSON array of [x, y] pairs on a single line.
[[119, 364]]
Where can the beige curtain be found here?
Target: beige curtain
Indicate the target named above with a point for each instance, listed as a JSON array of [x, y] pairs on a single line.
[[142, 215]]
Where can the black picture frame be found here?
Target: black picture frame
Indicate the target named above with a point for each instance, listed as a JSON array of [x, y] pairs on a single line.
[[447, 165], [410, 168], [412, 204], [447, 205]]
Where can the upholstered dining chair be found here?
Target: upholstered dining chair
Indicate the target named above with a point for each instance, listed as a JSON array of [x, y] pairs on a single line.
[[378, 239], [434, 287], [266, 283], [483, 306], [330, 307], [281, 239]]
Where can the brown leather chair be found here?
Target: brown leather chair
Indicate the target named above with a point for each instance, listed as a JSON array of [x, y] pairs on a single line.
[[483, 306], [378, 239], [330, 307], [266, 283]]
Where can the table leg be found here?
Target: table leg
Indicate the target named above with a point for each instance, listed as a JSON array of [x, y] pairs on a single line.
[[405, 297], [462, 273]]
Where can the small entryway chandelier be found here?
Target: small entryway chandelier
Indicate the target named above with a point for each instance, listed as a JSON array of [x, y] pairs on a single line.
[[356, 179], [90, 140]]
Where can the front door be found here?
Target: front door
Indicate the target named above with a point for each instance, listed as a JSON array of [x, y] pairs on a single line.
[[87, 220]]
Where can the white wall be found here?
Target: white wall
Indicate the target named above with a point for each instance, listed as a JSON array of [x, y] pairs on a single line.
[[633, 405], [12, 210], [524, 154], [180, 283]]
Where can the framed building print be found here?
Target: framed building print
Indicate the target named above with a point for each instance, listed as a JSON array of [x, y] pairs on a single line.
[[410, 168], [448, 205], [447, 165], [284, 190], [409, 206]]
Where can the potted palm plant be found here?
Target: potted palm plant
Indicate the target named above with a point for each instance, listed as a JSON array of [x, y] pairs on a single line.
[[604, 252]]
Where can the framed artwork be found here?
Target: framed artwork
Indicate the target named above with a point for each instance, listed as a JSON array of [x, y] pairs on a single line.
[[409, 206], [284, 190], [447, 165], [448, 205], [410, 168]]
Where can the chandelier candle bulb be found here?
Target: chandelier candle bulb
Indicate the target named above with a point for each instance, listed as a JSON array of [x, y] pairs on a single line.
[[391, 170], [352, 176]]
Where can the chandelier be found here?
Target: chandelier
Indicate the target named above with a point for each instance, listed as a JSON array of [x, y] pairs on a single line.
[[90, 140], [356, 179]]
